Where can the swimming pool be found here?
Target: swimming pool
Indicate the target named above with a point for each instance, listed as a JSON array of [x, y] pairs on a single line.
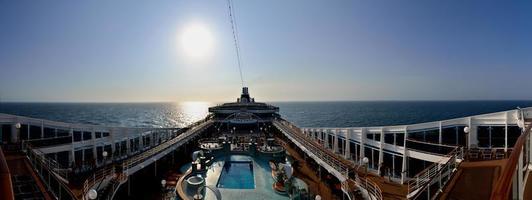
[[237, 175], [251, 184]]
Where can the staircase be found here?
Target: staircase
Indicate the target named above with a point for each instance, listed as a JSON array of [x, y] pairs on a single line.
[[114, 184]]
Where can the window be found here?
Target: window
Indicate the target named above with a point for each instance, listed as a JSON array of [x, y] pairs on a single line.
[[432, 136], [387, 161], [87, 135], [330, 141], [341, 144], [497, 136], [462, 137], [415, 166], [419, 136], [49, 132], [24, 132], [77, 136], [99, 153], [369, 136], [89, 155], [78, 156], [398, 165], [388, 138], [108, 149], [123, 148], [97, 134], [105, 134], [62, 158], [377, 137], [368, 154], [483, 136], [375, 158], [62, 133], [353, 150], [513, 133], [116, 153], [400, 139], [449, 136], [35, 132]]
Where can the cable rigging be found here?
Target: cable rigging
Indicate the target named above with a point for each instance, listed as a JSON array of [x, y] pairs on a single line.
[[235, 38]]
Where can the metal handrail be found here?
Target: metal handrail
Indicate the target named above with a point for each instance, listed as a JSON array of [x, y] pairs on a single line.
[[97, 177], [371, 187], [422, 181], [504, 183], [106, 172], [50, 163], [332, 160], [141, 157], [45, 163]]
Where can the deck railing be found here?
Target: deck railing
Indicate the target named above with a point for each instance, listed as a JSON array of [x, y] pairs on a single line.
[[331, 159], [374, 191], [516, 167], [131, 162], [97, 177], [428, 183], [108, 171], [53, 177]]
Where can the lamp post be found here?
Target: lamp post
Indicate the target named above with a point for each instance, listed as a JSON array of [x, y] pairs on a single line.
[[104, 154], [163, 186], [16, 133], [466, 131], [365, 162]]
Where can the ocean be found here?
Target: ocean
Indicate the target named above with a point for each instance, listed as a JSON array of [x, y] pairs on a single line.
[[304, 114]]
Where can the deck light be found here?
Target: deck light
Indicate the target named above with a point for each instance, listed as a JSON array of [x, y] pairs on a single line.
[[104, 154], [466, 129], [92, 194], [17, 125], [318, 197], [163, 183], [365, 160]]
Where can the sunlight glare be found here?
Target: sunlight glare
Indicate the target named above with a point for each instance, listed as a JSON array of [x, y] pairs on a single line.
[[197, 41]]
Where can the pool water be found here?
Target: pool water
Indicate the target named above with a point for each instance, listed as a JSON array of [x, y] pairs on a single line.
[[237, 175]]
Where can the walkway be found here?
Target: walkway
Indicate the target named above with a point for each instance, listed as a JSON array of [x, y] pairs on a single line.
[[473, 180], [387, 189]]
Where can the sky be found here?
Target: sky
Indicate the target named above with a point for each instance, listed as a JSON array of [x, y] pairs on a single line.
[[144, 51]]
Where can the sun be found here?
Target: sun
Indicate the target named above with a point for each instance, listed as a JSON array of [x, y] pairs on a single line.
[[197, 41]]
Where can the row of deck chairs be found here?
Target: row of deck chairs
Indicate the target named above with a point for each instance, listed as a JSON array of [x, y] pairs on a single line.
[[487, 154]]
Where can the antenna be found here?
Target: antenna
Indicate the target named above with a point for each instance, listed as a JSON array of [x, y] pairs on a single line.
[[235, 38]]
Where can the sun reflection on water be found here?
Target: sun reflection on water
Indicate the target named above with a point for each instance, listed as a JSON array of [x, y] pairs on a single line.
[[193, 111]]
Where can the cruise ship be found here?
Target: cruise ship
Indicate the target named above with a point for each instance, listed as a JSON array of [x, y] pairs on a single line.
[[247, 150]]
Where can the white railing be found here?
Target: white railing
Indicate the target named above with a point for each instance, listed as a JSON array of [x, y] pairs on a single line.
[[131, 162], [106, 172], [40, 163], [49, 163], [374, 191], [97, 177], [295, 134], [437, 173]]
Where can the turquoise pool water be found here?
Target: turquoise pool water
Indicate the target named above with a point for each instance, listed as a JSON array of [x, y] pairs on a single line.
[[237, 175], [251, 184]]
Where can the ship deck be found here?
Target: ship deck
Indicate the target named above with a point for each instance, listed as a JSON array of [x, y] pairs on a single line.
[[390, 190]]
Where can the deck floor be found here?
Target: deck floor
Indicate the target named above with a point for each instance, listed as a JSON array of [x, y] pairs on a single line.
[[474, 180], [21, 169]]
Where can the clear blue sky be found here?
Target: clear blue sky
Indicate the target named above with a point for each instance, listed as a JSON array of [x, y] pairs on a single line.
[[291, 50]]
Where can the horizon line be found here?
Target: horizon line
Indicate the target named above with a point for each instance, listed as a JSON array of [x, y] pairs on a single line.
[[279, 101]]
